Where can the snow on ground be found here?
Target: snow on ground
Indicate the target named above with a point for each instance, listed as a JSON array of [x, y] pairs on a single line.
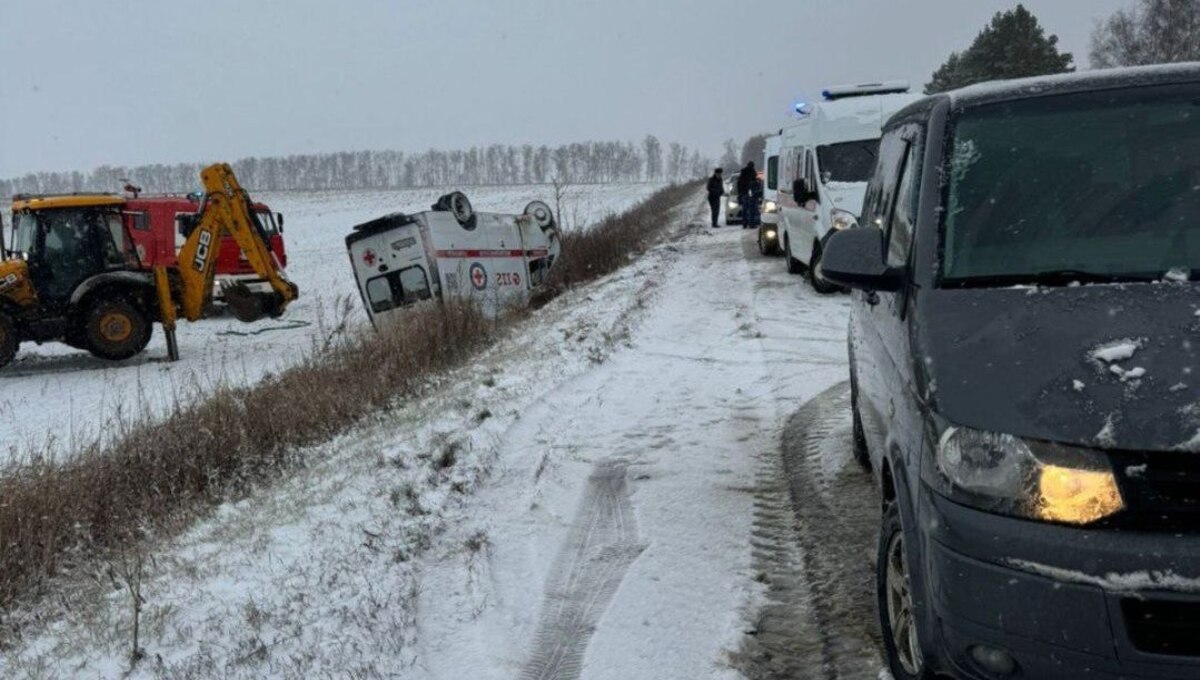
[[55, 395], [579, 503]]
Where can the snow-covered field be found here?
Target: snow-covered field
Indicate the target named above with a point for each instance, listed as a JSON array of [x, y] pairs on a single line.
[[583, 502], [55, 396]]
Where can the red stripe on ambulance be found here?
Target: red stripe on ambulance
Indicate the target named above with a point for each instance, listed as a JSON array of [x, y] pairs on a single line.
[[474, 254]]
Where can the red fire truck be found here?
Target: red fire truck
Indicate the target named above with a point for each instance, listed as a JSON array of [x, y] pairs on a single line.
[[160, 223]]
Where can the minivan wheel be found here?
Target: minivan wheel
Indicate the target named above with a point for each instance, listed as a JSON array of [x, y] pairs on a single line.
[[815, 279], [794, 266], [897, 615]]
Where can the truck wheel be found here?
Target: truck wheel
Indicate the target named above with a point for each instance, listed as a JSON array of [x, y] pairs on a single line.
[[116, 329], [897, 613], [8, 340], [794, 266], [815, 279]]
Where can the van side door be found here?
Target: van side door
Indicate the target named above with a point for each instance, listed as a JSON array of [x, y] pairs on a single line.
[[796, 219], [811, 207], [880, 341]]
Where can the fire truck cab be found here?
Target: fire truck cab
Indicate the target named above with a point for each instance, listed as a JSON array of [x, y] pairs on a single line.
[[452, 251]]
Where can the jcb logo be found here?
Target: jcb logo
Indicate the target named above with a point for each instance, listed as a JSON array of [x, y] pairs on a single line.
[[202, 250]]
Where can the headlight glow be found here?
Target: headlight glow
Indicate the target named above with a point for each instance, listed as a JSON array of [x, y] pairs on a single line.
[[1076, 496], [770, 233], [771, 206], [733, 204], [1025, 478], [842, 219]]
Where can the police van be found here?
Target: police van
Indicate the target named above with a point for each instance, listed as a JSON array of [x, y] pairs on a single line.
[[825, 160], [452, 251]]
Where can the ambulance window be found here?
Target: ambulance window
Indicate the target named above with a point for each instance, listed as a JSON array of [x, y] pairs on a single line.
[[379, 292], [773, 173], [396, 289], [415, 285]]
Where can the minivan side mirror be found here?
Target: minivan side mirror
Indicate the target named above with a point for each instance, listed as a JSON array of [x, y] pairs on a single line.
[[279, 221], [854, 258]]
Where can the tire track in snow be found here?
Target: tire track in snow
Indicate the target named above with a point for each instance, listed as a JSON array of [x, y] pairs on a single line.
[[819, 621], [600, 547]]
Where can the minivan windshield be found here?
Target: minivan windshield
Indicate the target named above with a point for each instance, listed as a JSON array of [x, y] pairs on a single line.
[[1092, 187], [848, 161]]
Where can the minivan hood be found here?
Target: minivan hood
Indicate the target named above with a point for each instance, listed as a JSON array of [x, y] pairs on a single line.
[[847, 196], [1112, 366]]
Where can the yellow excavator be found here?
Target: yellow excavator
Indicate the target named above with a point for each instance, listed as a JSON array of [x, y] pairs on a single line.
[[71, 273]]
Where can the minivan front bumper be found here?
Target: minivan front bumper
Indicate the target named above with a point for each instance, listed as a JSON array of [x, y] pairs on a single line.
[[1060, 601]]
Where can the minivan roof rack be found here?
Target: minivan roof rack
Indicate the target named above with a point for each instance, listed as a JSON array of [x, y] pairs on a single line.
[[865, 89]]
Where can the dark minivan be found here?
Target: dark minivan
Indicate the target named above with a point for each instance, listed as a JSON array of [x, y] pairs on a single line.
[[1025, 374]]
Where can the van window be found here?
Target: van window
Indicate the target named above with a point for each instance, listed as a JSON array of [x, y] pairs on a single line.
[[810, 171], [904, 215], [773, 173], [881, 193], [1078, 187], [397, 289], [849, 161]]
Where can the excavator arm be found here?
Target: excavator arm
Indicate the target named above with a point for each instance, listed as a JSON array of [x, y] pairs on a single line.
[[227, 211]]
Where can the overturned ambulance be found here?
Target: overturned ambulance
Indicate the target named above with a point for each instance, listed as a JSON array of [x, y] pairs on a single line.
[[452, 251]]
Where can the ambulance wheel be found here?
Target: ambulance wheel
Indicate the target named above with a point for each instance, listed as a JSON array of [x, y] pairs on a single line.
[[8, 340], [541, 214], [460, 207], [116, 329]]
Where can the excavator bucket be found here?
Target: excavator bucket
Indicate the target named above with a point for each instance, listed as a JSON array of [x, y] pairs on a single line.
[[246, 306]]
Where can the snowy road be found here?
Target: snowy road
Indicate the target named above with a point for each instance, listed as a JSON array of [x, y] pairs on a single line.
[[691, 413]]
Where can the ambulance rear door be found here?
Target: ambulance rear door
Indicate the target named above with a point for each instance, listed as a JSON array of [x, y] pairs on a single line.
[[390, 266]]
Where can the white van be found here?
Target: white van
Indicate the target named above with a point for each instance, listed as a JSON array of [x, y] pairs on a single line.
[[825, 161], [768, 231], [450, 250]]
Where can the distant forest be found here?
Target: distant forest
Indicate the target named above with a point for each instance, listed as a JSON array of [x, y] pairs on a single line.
[[580, 163]]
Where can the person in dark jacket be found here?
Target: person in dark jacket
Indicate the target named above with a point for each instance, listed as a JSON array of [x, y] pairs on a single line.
[[746, 181], [716, 189]]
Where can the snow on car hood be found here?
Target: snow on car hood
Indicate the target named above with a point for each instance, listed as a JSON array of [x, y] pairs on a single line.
[[847, 196], [1112, 366]]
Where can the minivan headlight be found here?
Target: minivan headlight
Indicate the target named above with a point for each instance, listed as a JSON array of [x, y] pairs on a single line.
[[733, 203], [1026, 478], [770, 207]]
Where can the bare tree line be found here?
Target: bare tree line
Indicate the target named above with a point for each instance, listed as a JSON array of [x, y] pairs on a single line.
[[497, 164], [1150, 32]]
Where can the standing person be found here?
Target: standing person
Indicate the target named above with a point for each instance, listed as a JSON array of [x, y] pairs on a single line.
[[752, 212], [745, 188], [716, 189]]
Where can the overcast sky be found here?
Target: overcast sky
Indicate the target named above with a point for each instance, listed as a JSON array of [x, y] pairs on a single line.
[[125, 82]]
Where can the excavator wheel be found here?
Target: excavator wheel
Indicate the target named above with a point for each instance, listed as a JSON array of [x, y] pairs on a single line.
[[8, 340], [116, 329]]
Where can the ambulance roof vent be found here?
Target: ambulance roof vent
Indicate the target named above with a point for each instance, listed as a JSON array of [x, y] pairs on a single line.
[[865, 89]]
